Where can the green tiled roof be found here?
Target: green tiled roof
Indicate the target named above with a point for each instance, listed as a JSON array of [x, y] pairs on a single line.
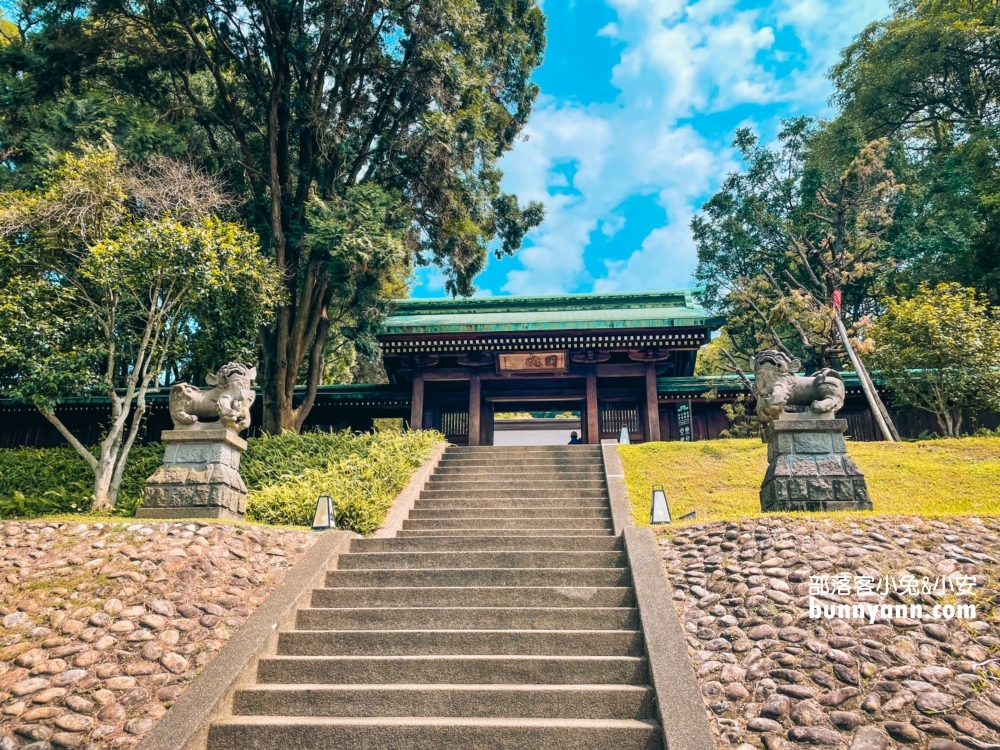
[[698, 384], [567, 312]]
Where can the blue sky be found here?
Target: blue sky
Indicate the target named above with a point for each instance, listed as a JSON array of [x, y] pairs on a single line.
[[631, 133]]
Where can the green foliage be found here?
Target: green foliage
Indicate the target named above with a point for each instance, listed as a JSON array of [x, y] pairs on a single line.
[[743, 420], [91, 273], [940, 352], [362, 473], [386, 118], [106, 274], [284, 474], [364, 235], [928, 77], [43, 481], [712, 361], [798, 225]]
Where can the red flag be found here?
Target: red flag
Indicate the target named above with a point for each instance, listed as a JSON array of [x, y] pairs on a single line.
[[836, 300]]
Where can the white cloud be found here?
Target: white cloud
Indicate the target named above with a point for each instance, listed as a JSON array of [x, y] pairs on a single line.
[[681, 60], [612, 225]]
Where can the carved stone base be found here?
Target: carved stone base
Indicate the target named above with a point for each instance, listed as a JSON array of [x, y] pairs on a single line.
[[200, 477], [809, 469]]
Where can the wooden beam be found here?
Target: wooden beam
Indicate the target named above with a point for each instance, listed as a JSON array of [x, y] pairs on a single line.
[[475, 401], [417, 403], [652, 405], [593, 427], [570, 394], [447, 373], [621, 370]]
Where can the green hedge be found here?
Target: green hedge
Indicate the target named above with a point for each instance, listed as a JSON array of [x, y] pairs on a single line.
[[41, 481], [362, 473], [283, 474]]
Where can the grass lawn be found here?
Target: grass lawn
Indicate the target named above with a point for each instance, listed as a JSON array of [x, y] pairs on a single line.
[[720, 479]]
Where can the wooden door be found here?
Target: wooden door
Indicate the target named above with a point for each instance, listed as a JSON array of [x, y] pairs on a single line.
[[613, 415]]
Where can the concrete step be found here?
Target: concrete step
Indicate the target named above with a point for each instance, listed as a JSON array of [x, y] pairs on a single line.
[[489, 543], [469, 618], [457, 512], [427, 733], [486, 450], [510, 701], [532, 456], [598, 577], [532, 467], [498, 525], [501, 616], [511, 484], [423, 533], [504, 467], [513, 489], [479, 670], [475, 596], [515, 499], [576, 479], [445, 642], [524, 559]]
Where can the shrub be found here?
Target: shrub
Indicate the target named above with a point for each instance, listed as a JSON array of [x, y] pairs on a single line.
[[362, 473], [284, 476], [40, 481], [939, 353]]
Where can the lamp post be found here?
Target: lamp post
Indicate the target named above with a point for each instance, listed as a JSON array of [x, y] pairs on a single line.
[[323, 518], [659, 511]]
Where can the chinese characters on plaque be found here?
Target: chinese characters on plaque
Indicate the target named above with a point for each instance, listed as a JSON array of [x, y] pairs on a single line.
[[533, 362]]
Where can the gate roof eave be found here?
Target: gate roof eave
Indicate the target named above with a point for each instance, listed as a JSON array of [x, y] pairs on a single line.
[[548, 314]]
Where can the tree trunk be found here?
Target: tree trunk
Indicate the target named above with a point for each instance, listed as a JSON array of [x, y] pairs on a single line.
[[945, 422], [276, 418], [278, 396], [874, 402], [103, 468], [119, 470], [299, 339], [102, 481]]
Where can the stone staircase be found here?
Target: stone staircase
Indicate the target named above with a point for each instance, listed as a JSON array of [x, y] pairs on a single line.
[[501, 616]]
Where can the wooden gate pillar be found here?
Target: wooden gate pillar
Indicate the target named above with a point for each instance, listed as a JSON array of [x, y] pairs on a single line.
[[417, 403], [593, 425], [652, 404], [475, 404]]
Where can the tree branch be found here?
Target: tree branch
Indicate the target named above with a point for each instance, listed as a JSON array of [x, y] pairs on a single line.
[[79, 447]]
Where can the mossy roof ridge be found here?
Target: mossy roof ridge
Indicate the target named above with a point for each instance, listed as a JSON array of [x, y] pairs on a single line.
[[664, 309]]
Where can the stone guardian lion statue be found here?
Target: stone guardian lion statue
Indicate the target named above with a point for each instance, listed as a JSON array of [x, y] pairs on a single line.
[[229, 400], [782, 393]]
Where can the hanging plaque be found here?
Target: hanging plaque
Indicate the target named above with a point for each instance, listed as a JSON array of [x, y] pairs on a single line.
[[533, 362]]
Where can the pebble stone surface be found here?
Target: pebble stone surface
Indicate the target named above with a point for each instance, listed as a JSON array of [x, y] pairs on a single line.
[[104, 625], [773, 677]]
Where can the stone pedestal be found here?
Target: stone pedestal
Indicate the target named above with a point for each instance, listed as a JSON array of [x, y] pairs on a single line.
[[200, 477], [809, 469]]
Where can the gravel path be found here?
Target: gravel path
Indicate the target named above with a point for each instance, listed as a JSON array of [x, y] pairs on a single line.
[[773, 676], [105, 625]]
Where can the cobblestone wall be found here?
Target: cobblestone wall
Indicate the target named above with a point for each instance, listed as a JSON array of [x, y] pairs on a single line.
[[105, 625], [773, 676]]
